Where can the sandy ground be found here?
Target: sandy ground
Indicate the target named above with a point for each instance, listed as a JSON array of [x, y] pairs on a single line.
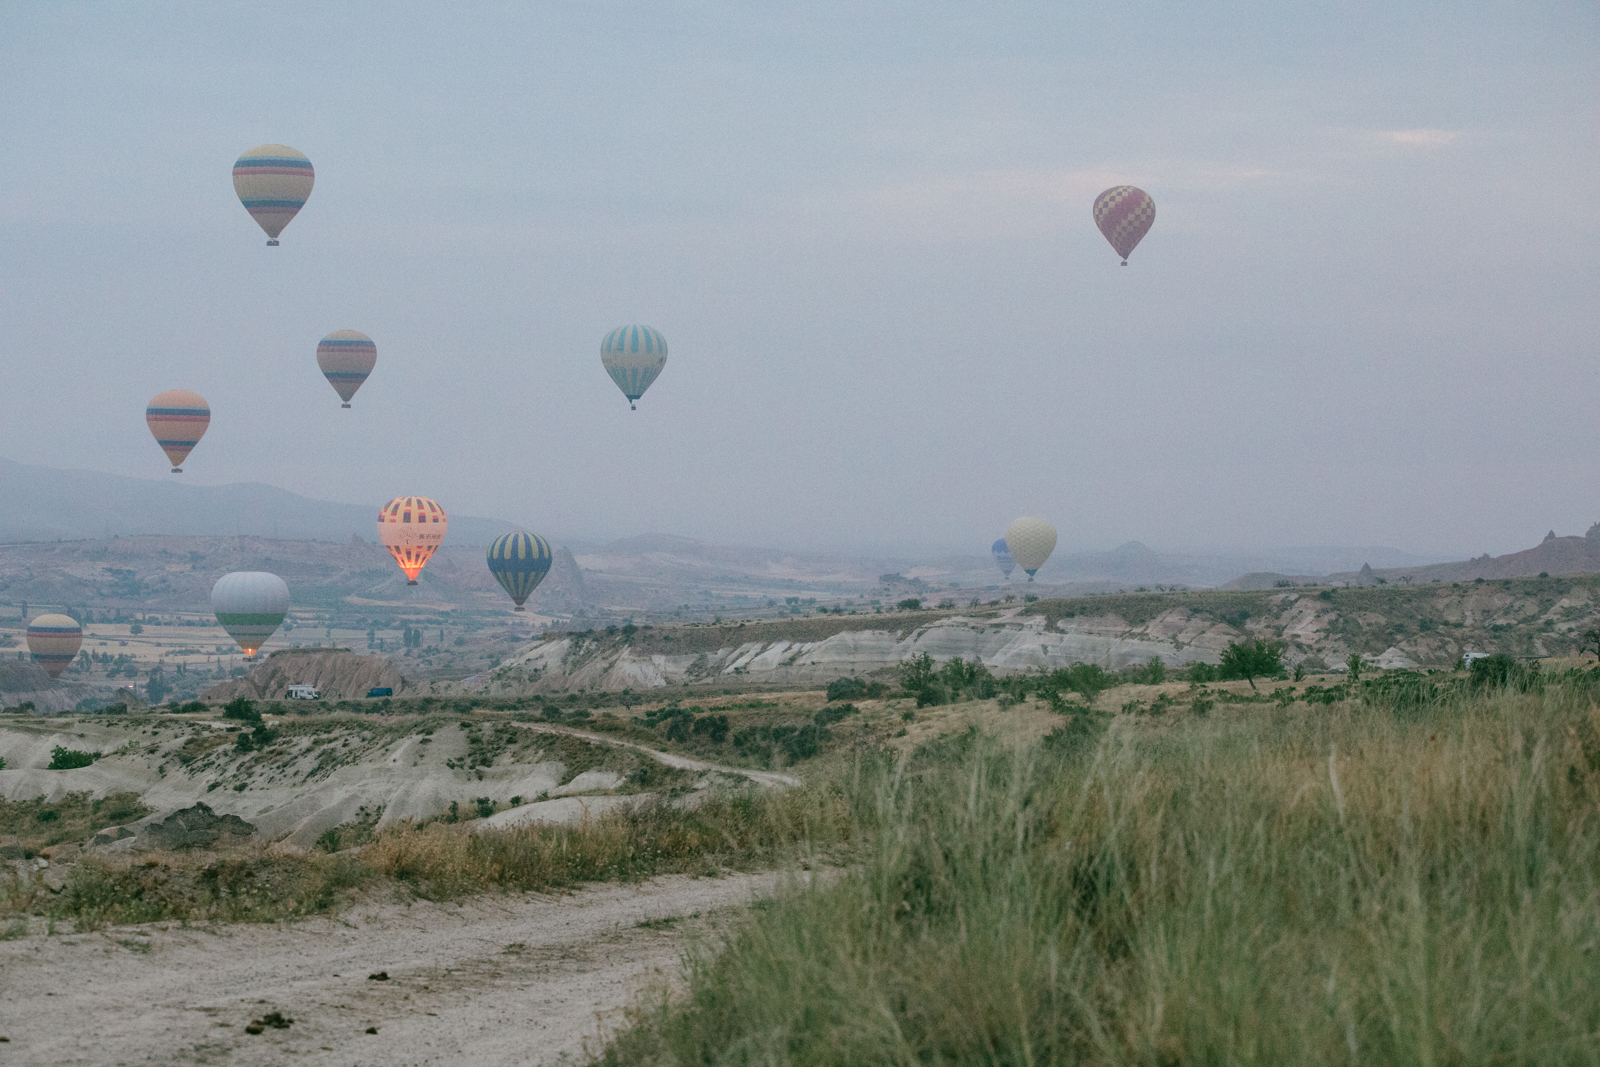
[[509, 980]]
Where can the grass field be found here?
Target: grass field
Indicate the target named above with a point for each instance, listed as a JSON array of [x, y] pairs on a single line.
[[1383, 880]]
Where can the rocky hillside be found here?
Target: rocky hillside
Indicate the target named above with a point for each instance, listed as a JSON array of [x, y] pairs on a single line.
[[1394, 626], [340, 674]]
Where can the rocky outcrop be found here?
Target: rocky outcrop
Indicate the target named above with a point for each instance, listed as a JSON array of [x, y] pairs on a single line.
[[340, 674]]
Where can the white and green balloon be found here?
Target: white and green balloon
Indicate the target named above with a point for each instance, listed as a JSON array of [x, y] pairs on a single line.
[[250, 605], [1031, 541]]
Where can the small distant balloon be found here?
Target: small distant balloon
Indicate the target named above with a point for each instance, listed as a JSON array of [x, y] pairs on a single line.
[[346, 358], [250, 605], [412, 528], [1002, 557], [177, 419], [633, 356], [1031, 541], [519, 561], [54, 640], [1124, 214], [273, 182]]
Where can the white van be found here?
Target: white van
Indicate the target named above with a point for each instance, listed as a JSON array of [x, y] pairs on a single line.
[[304, 692]]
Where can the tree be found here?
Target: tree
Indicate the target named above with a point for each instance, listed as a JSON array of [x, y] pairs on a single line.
[[910, 603], [241, 708], [1589, 641], [136, 629], [1355, 665], [1251, 660]]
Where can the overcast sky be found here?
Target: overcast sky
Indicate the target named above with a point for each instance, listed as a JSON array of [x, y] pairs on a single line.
[[1366, 313]]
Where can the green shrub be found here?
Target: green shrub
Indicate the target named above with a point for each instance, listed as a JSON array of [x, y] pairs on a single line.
[[910, 603], [242, 709], [66, 759]]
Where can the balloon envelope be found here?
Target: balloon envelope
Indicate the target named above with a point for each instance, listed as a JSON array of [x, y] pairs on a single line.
[[250, 605], [54, 640], [1002, 557], [1124, 214], [1031, 541], [519, 561], [273, 182], [177, 419], [633, 356], [412, 528], [346, 358]]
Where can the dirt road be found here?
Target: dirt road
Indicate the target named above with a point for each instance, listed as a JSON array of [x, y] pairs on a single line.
[[502, 980]]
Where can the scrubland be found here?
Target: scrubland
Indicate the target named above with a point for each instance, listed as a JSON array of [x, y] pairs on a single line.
[[1377, 880]]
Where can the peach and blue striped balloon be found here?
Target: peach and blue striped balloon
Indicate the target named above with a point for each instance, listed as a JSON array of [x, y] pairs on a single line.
[[273, 182], [633, 356], [346, 358], [178, 419], [519, 561], [54, 640]]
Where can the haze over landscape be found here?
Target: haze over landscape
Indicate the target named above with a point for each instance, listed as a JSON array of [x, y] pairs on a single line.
[[962, 649]]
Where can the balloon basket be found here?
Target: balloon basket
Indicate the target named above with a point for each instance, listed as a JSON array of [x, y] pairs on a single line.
[[519, 607], [344, 405], [272, 243], [177, 470], [1124, 263], [633, 407], [411, 581]]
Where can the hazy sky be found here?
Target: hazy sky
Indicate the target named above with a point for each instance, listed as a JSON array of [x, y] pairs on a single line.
[[1366, 314]]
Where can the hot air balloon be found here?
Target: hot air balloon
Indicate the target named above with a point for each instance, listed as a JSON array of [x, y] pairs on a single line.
[[54, 640], [178, 419], [346, 358], [1031, 541], [411, 528], [519, 561], [250, 605], [633, 356], [1002, 557], [273, 182], [1124, 215]]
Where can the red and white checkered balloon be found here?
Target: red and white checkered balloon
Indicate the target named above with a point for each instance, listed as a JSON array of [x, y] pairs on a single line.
[[1124, 214]]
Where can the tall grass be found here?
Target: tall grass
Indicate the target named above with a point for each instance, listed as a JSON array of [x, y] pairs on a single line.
[[1339, 885]]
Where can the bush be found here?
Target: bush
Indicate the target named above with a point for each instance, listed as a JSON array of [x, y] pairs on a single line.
[[1251, 660], [242, 709], [910, 603], [1501, 671], [855, 689], [66, 759]]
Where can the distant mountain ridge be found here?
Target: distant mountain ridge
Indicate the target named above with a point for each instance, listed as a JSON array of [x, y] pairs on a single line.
[[45, 504], [1554, 555]]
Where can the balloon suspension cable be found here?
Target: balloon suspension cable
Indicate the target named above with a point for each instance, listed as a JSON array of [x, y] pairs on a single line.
[[273, 243]]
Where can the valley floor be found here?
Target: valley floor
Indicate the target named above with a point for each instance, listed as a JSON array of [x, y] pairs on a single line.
[[526, 979]]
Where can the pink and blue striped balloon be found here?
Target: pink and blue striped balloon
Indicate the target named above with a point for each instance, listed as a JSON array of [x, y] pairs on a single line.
[[273, 182]]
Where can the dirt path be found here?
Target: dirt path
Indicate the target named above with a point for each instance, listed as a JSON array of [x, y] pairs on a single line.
[[509, 980], [684, 762]]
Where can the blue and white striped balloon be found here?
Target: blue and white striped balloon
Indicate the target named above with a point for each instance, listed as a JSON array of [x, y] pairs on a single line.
[[633, 356]]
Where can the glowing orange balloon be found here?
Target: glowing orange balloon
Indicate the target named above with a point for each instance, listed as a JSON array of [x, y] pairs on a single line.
[[412, 528]]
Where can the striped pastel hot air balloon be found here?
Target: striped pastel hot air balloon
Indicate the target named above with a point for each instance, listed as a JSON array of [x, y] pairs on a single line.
[[412, 528], [519, 561], [273, 182], [1031, 541], [54, 640], [177, 419], [633, 356], [250, 605], [346, 358], [1002, 557], [1124, 215]]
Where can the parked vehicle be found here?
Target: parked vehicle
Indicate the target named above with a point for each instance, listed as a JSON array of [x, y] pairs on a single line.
[[304, 692], [381, 691]]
